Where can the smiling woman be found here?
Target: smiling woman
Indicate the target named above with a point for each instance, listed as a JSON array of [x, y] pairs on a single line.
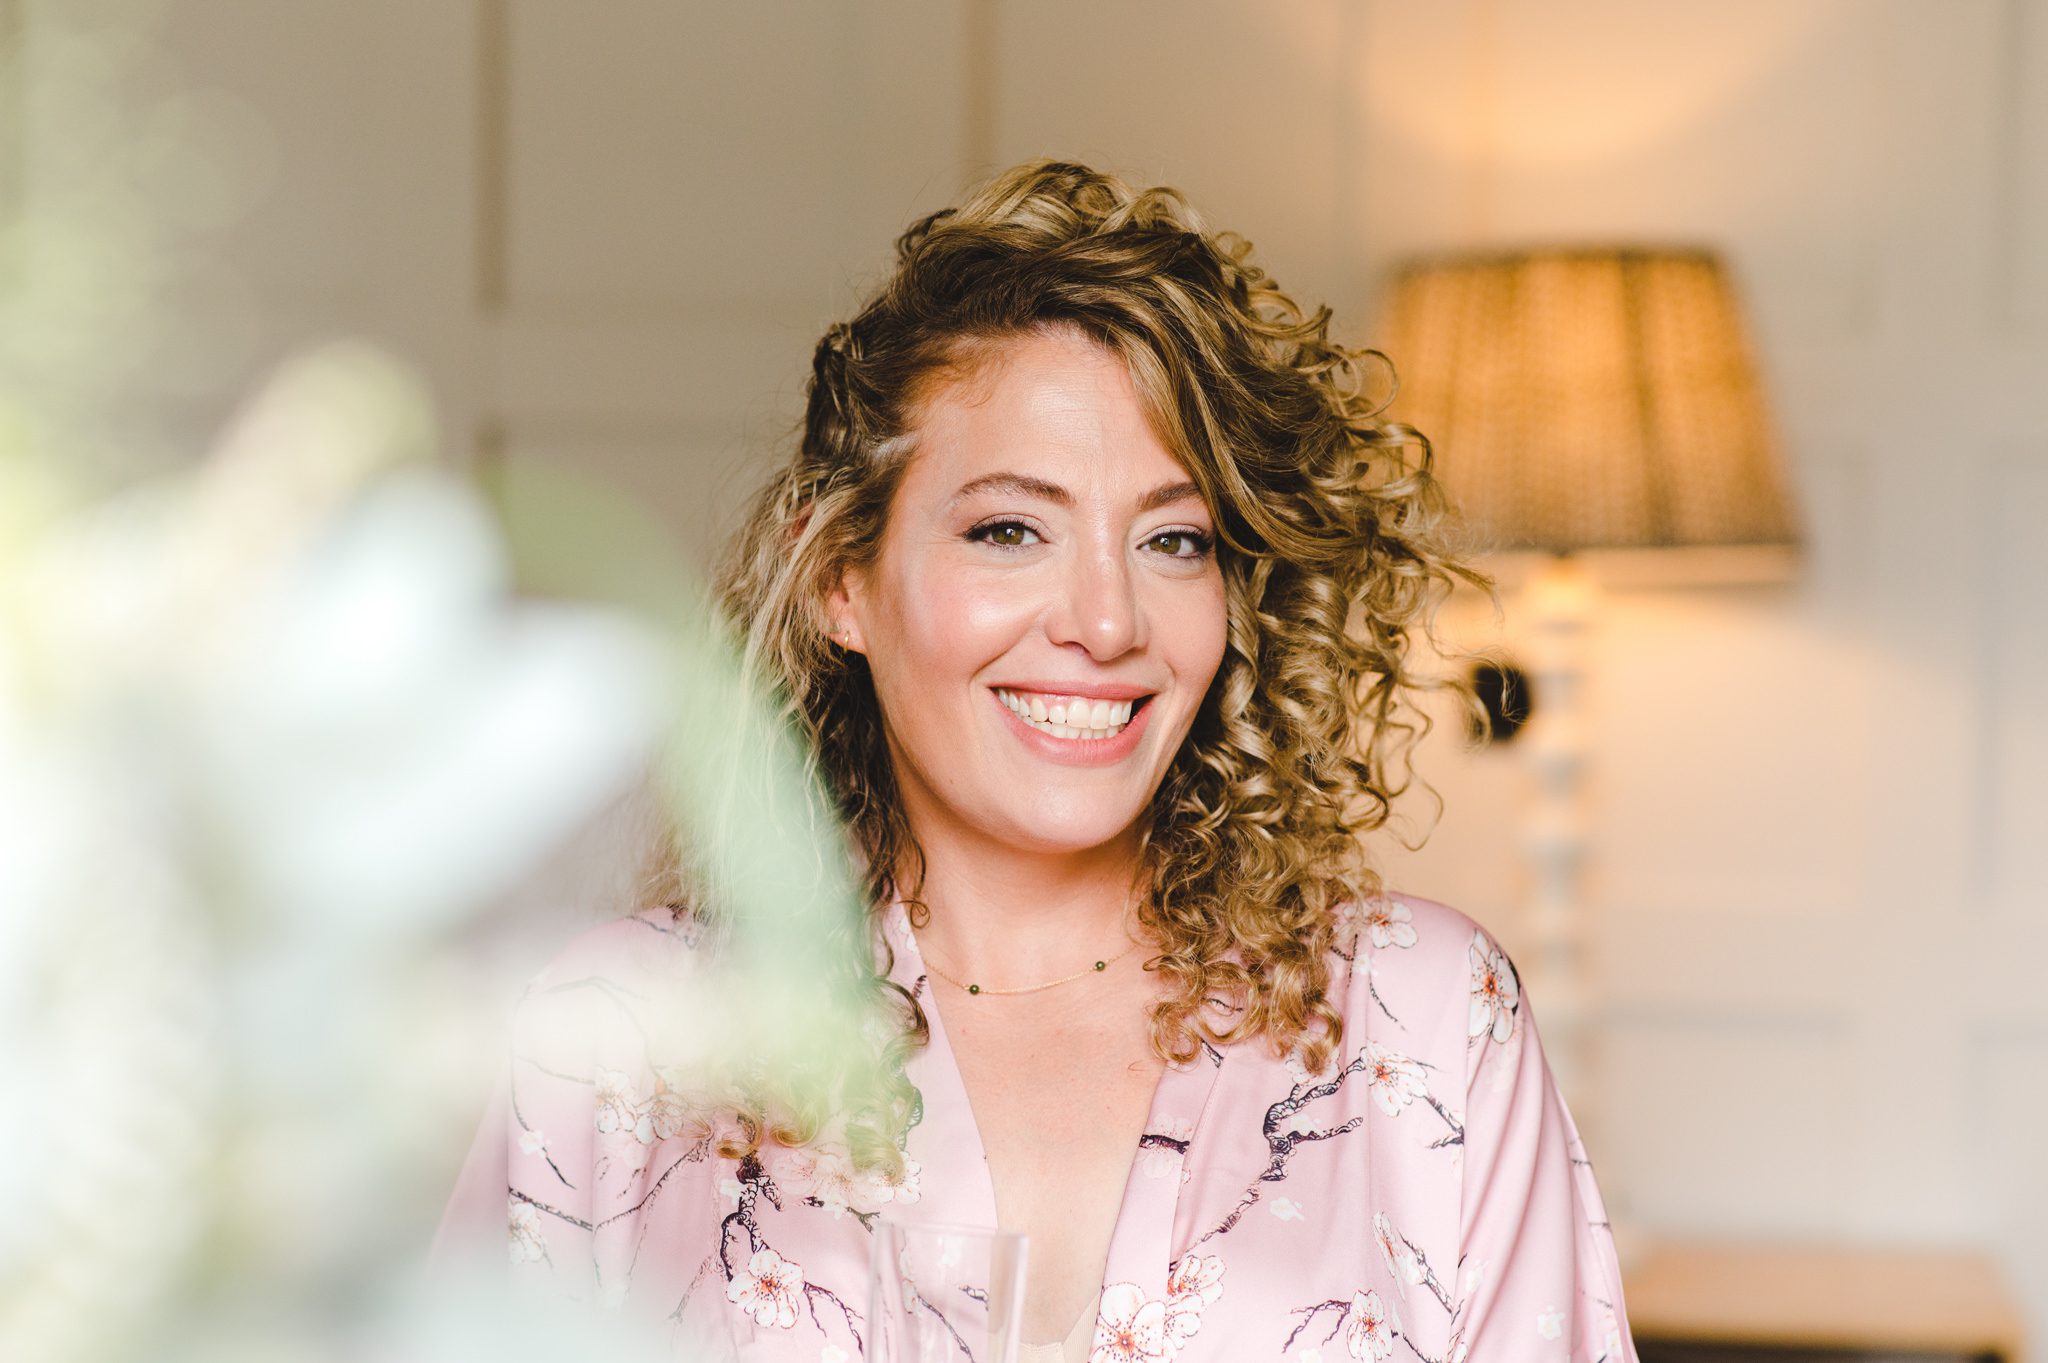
[[1045, 558], [1092, 587]]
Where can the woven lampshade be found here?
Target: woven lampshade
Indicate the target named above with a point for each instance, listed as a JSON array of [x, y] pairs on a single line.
[[1589, 399]]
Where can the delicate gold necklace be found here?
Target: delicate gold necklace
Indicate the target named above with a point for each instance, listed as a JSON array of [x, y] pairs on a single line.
[[1095, 969]]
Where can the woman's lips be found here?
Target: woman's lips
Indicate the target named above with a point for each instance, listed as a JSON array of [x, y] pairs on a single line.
[[1078, 752]]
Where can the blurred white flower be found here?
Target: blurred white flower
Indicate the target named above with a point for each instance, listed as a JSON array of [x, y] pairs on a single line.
[[526, 1243], [267, 731]]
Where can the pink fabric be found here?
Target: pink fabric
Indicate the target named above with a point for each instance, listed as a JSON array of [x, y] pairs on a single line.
[[1427, 1199]]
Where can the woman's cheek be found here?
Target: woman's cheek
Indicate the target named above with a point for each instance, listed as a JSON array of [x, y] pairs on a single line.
[[959, 614]]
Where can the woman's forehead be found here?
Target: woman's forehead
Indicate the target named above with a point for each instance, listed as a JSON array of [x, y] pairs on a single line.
[[1048, 407]]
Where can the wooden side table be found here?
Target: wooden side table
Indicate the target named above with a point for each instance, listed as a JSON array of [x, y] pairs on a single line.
[[1710, 1303]]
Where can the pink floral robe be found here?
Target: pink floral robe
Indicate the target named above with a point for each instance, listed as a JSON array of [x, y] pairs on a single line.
[[1427, 1198]]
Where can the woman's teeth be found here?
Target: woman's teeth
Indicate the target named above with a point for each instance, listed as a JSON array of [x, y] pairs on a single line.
[[1068, 716]]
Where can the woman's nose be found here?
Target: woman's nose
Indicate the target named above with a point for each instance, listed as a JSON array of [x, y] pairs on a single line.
[[1098, 607]]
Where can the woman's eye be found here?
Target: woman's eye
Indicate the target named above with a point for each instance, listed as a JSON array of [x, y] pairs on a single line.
[[1004, 534], [1180, 543]]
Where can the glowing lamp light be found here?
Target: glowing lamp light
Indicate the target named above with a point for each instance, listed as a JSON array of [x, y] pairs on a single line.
[[1589, 398]]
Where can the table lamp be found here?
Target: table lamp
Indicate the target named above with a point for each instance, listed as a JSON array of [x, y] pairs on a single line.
[[1586, 399]]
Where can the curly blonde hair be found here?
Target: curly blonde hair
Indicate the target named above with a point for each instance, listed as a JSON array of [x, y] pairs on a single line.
[[1332, 546]]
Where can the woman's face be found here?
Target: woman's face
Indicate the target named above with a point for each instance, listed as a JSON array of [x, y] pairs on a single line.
[[1045, 611]]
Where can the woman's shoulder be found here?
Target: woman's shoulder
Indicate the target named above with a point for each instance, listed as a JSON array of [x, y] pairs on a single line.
[[652, 940], [607, 981], [1421, 930], [1420, 973]]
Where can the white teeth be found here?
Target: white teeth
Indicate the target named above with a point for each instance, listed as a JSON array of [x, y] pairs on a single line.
[[1078, 719]]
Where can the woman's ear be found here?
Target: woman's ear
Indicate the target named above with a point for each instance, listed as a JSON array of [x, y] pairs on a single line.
[[843, 612]]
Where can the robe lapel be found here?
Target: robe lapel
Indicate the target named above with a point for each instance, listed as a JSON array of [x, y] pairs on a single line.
[[954, 1182], [1141, 1246], [953, 1178]]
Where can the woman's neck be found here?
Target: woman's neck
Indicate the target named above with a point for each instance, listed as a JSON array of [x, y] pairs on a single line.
[[1011, 917]]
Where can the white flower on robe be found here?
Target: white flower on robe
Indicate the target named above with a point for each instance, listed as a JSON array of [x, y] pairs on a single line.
[[1550, 1323], [900, 1186], [1402, 1261], [829, 1176], [768, 1289], [1128, 1328], [1495, 991], [1396, 1080], [668, 1113], [526, 1243], [1371, 1333], [1387, 922], [1196, 1281], [618, 1107], [1610, 1334]]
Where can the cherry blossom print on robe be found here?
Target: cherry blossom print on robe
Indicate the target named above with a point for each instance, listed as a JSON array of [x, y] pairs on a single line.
[[1424, 1197]]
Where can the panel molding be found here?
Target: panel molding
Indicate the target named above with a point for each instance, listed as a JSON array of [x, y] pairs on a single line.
[[2020, 133], [2011, 503]]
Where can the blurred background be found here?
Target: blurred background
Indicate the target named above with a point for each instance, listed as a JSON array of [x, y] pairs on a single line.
[[1786, 867]]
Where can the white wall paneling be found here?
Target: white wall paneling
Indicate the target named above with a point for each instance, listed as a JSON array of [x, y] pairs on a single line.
[[2011, 723], [1782, 1074], [690, 194], [1819, 872], [1250, 108], [2018, 297], [2007, 1111]]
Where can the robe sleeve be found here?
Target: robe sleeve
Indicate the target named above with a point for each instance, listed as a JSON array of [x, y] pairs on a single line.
[[525, 1190], [1537, 1274], [471, 1224]]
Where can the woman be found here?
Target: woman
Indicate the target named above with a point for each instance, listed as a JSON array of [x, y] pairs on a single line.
[[1092, 586]]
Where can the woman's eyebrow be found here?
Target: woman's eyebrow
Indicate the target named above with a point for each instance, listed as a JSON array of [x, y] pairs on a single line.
[[1164, 495], [1014, 482]]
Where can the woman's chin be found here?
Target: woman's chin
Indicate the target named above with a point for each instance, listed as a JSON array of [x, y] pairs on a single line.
[[1070, 832]]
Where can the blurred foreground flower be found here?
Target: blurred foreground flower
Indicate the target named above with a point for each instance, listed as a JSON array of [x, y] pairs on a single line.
[[273, 733], [268, 734]]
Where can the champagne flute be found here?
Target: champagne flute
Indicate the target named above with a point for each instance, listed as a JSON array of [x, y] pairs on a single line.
[[941, 1293]]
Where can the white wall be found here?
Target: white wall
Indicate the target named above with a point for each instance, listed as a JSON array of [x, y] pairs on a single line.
[[1819, 863], [611, 233]]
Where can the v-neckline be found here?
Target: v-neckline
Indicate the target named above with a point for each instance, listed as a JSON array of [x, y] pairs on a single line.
[[956, 1185]]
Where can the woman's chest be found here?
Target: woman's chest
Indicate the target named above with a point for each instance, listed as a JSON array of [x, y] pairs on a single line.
[[1251, 1233], [1058, 1101], [1060, 1111]]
